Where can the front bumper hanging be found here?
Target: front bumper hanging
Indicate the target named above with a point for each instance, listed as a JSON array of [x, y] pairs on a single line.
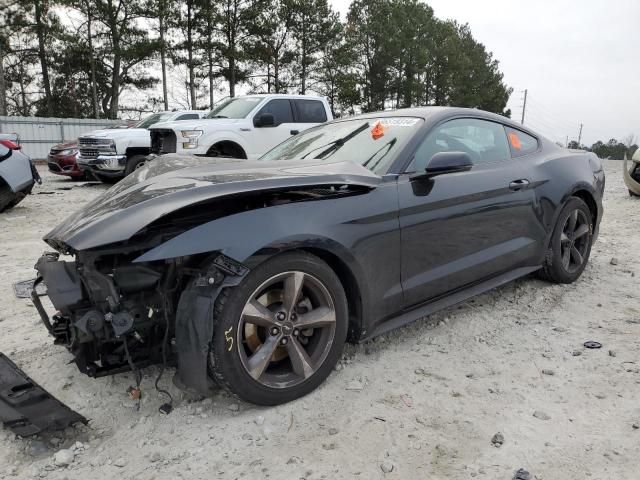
[[26, 408]]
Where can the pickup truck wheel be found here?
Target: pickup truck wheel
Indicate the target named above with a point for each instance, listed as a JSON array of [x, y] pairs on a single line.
[[105, 179], [279, 333], [134, 162], [226, 149]]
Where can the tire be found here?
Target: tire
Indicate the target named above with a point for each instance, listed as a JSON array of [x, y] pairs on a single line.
[[134, 162], [8, 199], [106, 179], [225, 150], [285, 373], [569, 241], [633, 194]]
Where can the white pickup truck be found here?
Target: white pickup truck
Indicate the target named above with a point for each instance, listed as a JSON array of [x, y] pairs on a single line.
[[241, 127], [113, 153]]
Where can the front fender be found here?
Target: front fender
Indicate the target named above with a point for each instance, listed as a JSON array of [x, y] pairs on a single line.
[[209, 139], [241, 235]]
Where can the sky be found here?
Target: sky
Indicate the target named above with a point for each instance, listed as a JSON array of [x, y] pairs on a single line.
[[578, 60]]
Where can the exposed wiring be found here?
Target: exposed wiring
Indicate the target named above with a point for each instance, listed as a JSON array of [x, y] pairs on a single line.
[[136, 372], [166, 408]]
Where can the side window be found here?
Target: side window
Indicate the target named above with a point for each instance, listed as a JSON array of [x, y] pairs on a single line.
[[188, 116], [311, 111], [280, 109], [521, 143], [482, 140]]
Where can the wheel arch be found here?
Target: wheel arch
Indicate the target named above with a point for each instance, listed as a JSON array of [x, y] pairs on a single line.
[[230, 144], [587, 197], [131, 151], [585, 193], [351, 287]]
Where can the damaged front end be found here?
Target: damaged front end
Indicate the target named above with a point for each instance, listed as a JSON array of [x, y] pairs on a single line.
[[631, 174], [115, 315]]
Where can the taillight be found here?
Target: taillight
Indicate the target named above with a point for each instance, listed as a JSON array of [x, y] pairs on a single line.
[[10, 144]]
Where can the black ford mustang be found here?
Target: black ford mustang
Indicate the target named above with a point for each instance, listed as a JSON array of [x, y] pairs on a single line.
[[253, 274]]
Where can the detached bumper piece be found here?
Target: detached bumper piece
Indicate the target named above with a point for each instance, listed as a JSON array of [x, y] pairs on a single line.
[[26, 408]]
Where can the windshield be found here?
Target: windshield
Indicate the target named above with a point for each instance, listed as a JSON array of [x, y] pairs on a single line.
[[153, 119], [235, 108], [370, 142]]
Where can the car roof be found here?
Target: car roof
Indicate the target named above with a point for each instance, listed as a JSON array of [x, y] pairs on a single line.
[[282, 95], [436, 113]]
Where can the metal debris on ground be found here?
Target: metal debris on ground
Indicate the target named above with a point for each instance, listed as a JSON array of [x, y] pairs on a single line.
[[23, 289], [522, 474], [592, 344]]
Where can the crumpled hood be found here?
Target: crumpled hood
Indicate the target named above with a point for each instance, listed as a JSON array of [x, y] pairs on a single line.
[[195, 124], [171, 182]]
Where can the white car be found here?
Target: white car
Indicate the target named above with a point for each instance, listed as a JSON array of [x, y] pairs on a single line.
[[116, 152], [242, 127]]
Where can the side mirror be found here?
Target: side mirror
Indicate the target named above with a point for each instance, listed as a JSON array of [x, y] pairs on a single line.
[[264, 120], [447, 162]]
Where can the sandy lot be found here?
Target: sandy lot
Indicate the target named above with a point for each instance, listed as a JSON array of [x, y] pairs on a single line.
[[421, 402]]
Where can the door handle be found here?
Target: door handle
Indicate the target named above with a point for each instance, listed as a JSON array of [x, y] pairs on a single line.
[[294, 132], [519, 184]]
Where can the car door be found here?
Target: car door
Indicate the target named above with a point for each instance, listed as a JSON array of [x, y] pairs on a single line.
[[309, 113], [264, 138], [461, 228]]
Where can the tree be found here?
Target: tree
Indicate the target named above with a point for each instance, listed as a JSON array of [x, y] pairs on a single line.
[[207, 32], [335, 78], [127, 46], [37, 21], [269, 45], [159, 12], [313, 24], [186, 51], [235, 20], [368, 32]]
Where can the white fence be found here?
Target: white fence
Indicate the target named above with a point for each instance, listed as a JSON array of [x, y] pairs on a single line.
[[38, 134]]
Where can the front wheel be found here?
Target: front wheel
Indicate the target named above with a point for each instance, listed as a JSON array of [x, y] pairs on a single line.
[[571, 242], [281, 331], [134, 163]]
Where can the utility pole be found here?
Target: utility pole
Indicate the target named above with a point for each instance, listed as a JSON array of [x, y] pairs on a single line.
[[524, 106], [580, 136]]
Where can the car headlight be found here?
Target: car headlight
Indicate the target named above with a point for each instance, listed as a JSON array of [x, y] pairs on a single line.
[[67, 152], [192, 136]]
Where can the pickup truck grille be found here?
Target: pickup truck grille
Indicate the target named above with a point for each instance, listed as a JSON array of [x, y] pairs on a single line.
[[88, 152], [90, 147], [94, 141], [163, 141]]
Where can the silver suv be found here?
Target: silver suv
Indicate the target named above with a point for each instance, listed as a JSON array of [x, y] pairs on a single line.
[[17, 173]]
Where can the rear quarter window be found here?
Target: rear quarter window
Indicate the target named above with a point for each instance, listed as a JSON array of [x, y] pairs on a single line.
[[521, 143], [311, 111]]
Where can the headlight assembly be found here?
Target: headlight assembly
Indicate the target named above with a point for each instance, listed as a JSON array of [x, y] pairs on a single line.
[[192, 138]]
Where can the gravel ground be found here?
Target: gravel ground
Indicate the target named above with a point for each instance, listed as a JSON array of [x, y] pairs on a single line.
[[425, 401]]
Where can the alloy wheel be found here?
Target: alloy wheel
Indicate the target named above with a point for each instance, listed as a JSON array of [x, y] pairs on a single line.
[[286, 329], [574, 240]]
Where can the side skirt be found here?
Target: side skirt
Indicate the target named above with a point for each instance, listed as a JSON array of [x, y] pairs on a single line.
[[447, 301]]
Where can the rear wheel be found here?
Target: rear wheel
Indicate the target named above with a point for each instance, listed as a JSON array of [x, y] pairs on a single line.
[[280, 332], [571, 241]]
